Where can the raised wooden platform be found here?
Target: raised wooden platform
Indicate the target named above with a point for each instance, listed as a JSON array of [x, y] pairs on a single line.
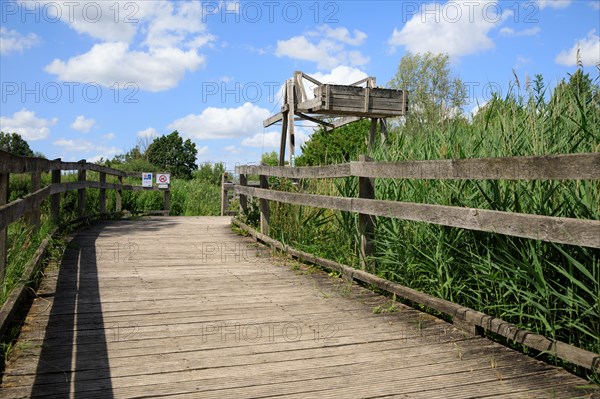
[[183, 307]]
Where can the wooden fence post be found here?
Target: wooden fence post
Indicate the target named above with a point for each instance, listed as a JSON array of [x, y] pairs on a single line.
[[36, 184], [366, 223], [224, 194], [264, 207], [4, 193], [55, 198], [243, 197], [119, 197], [81, 192], [102, 198], [372, 133], [167, 202]]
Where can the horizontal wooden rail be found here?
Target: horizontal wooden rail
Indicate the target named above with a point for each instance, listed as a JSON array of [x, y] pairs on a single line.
[[16, 164], [554, 167], [308, 172], [461, 315], [546, 228]]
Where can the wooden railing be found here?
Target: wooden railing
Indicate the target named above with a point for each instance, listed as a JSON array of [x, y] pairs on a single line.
[[546, 228], [30, 204]]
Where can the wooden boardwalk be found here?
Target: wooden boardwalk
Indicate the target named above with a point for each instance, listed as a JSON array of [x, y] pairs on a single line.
[[183, 307]]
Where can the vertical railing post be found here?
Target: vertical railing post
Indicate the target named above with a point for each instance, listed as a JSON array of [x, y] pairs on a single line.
[[4, 193], [224, 194], [243, 197], [366, 223], [102, 198], [36, 184], [264, 207], [81, 192], [55, 198], [167, 202], [119, 197]]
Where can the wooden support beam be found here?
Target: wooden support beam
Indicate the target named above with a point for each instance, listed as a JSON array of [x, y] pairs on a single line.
[[224, 195], [283, 141], [119, 196], [264, 206], [167, 207], [81, 193], [55, 198], [243, 197], [102, 196], [290, 124], [4, 195], [372, 132], [366, 222], [36, 184]]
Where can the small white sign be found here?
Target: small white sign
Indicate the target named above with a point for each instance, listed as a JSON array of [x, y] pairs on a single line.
[[146, 179], [163, 186], [163, 178]]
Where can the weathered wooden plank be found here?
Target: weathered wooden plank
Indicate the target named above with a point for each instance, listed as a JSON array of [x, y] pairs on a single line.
[[545, 228], [539, 342], [155, 338], [305, 172], [551, 167]]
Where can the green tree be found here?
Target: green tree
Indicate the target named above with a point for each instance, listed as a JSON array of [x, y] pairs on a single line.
[[173, 154], [340, 145], [270, 159], [14, 143], [210, 173], [434, 95]]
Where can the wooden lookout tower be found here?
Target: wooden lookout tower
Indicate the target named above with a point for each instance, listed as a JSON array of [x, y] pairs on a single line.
[[334, 106]]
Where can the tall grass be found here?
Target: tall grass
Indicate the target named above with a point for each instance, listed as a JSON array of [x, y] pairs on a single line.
[[547, 288]]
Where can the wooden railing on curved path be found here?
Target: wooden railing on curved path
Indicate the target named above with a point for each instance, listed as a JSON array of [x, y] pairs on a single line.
[[546, 228], [29, 205]]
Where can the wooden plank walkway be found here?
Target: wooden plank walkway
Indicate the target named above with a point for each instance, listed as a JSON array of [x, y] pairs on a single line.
[[183, 307]]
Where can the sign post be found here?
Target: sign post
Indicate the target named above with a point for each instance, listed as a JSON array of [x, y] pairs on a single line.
[[146, 179], [163, 180]]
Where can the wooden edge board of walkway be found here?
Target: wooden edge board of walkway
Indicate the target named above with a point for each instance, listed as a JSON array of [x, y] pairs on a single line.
[[175, 307]]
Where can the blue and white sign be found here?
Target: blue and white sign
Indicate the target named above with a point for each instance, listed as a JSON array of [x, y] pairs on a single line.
[[146, 179]]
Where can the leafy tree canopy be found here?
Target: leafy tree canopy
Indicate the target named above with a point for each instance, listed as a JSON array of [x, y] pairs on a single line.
[[340, 145], [434, 94], [14, 143], [172, 154]]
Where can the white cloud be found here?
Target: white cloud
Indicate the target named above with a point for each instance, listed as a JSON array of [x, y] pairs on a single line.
[[219, 123], [203, 150], [330, 49], [149, 133], [171, 33], [107, 63], [13, 41], [232, 149], [29, 126], [509, 32], [104, 20], [267, 139], [595, 5], [522, 61], [589, 51], [109, 136], [557, 4], [83, 125], [457, 28], [80, 147]]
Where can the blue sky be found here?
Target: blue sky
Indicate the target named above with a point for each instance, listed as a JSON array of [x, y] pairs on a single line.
[[88, 79]]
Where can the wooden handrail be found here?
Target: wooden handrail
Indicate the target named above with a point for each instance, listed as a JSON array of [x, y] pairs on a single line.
[[13, 211]]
